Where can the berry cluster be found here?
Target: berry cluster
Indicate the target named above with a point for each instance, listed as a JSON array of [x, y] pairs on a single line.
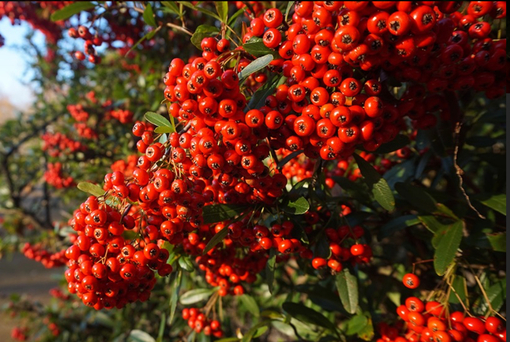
[[58, 143], [124, 116], [48, 259], [88, 46], [199, 322], [55, 177], [19, 333], [105, 270]]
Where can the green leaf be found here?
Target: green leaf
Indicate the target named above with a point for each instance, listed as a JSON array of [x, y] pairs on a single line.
[[202, 32], [255, 331], [162, 324], [431, 223], [236, 15], [347, 286], [308, 315], [195, 296], [222, 9], [399, 142], [228, 339], [289, 6], [217, 238], [137, 335], [459, 285], [186, 264], [497, 295], [221, 212], [397, 224], [496, 202], [367, 333], [90, 188], [356, 324], [355, 190], [172, 7], [250, 304], [447, 248], [148, 16], [258, 99], [498, 241], [443, 209], [158, 120], [270, 267], [288, 158], [416, 196], [200, 9], [258, 64], [297, 207], [71, 10], [176, 287], [256, 47], [380, 189], [164, 129]]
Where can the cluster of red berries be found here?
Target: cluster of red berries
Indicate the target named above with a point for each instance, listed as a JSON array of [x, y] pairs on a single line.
[[106, 270], [19, 333], [58, 143], [54, 176], [124, 116], [126, 166], [89, 45], [78, 112], [429, 322], [48, 259], [17, 11], [199, 322]]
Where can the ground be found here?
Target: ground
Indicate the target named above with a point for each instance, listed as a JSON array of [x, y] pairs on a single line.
[[23, 276]]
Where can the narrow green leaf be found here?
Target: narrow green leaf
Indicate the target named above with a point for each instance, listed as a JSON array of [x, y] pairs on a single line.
[[71, 10], [297, 207], [444, 210], [308, 315], [496, 202], [399, 142], [431, 223], [148, 16], [256, 47], [163, 129], [162, 324], [195, 296], [176, 287], [158, 120], [258, 64], [289, 6], [459, 285], [287, 159], [217, 238], [228, 339], [222, 9], [367, 333], [270, 267], [186, 264], [498, 241], [258, 99], [137, 335], [221, 212], [347, 286], [90, 188], [250, 304], [172, 7], [236, 15], [380, 189], [447, 248], [416, 196], [200, 9], [397, 224], [497, 295], [202, 32], [255, 331]]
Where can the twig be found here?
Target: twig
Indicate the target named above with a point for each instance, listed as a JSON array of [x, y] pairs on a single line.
[[459, 172]]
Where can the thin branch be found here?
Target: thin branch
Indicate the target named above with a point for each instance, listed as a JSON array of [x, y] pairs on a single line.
[[459, 171]]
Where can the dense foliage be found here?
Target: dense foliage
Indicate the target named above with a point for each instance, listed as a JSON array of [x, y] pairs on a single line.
[[238, 171]]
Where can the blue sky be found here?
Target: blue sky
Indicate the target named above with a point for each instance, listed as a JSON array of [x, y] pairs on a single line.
[[14, 63]]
